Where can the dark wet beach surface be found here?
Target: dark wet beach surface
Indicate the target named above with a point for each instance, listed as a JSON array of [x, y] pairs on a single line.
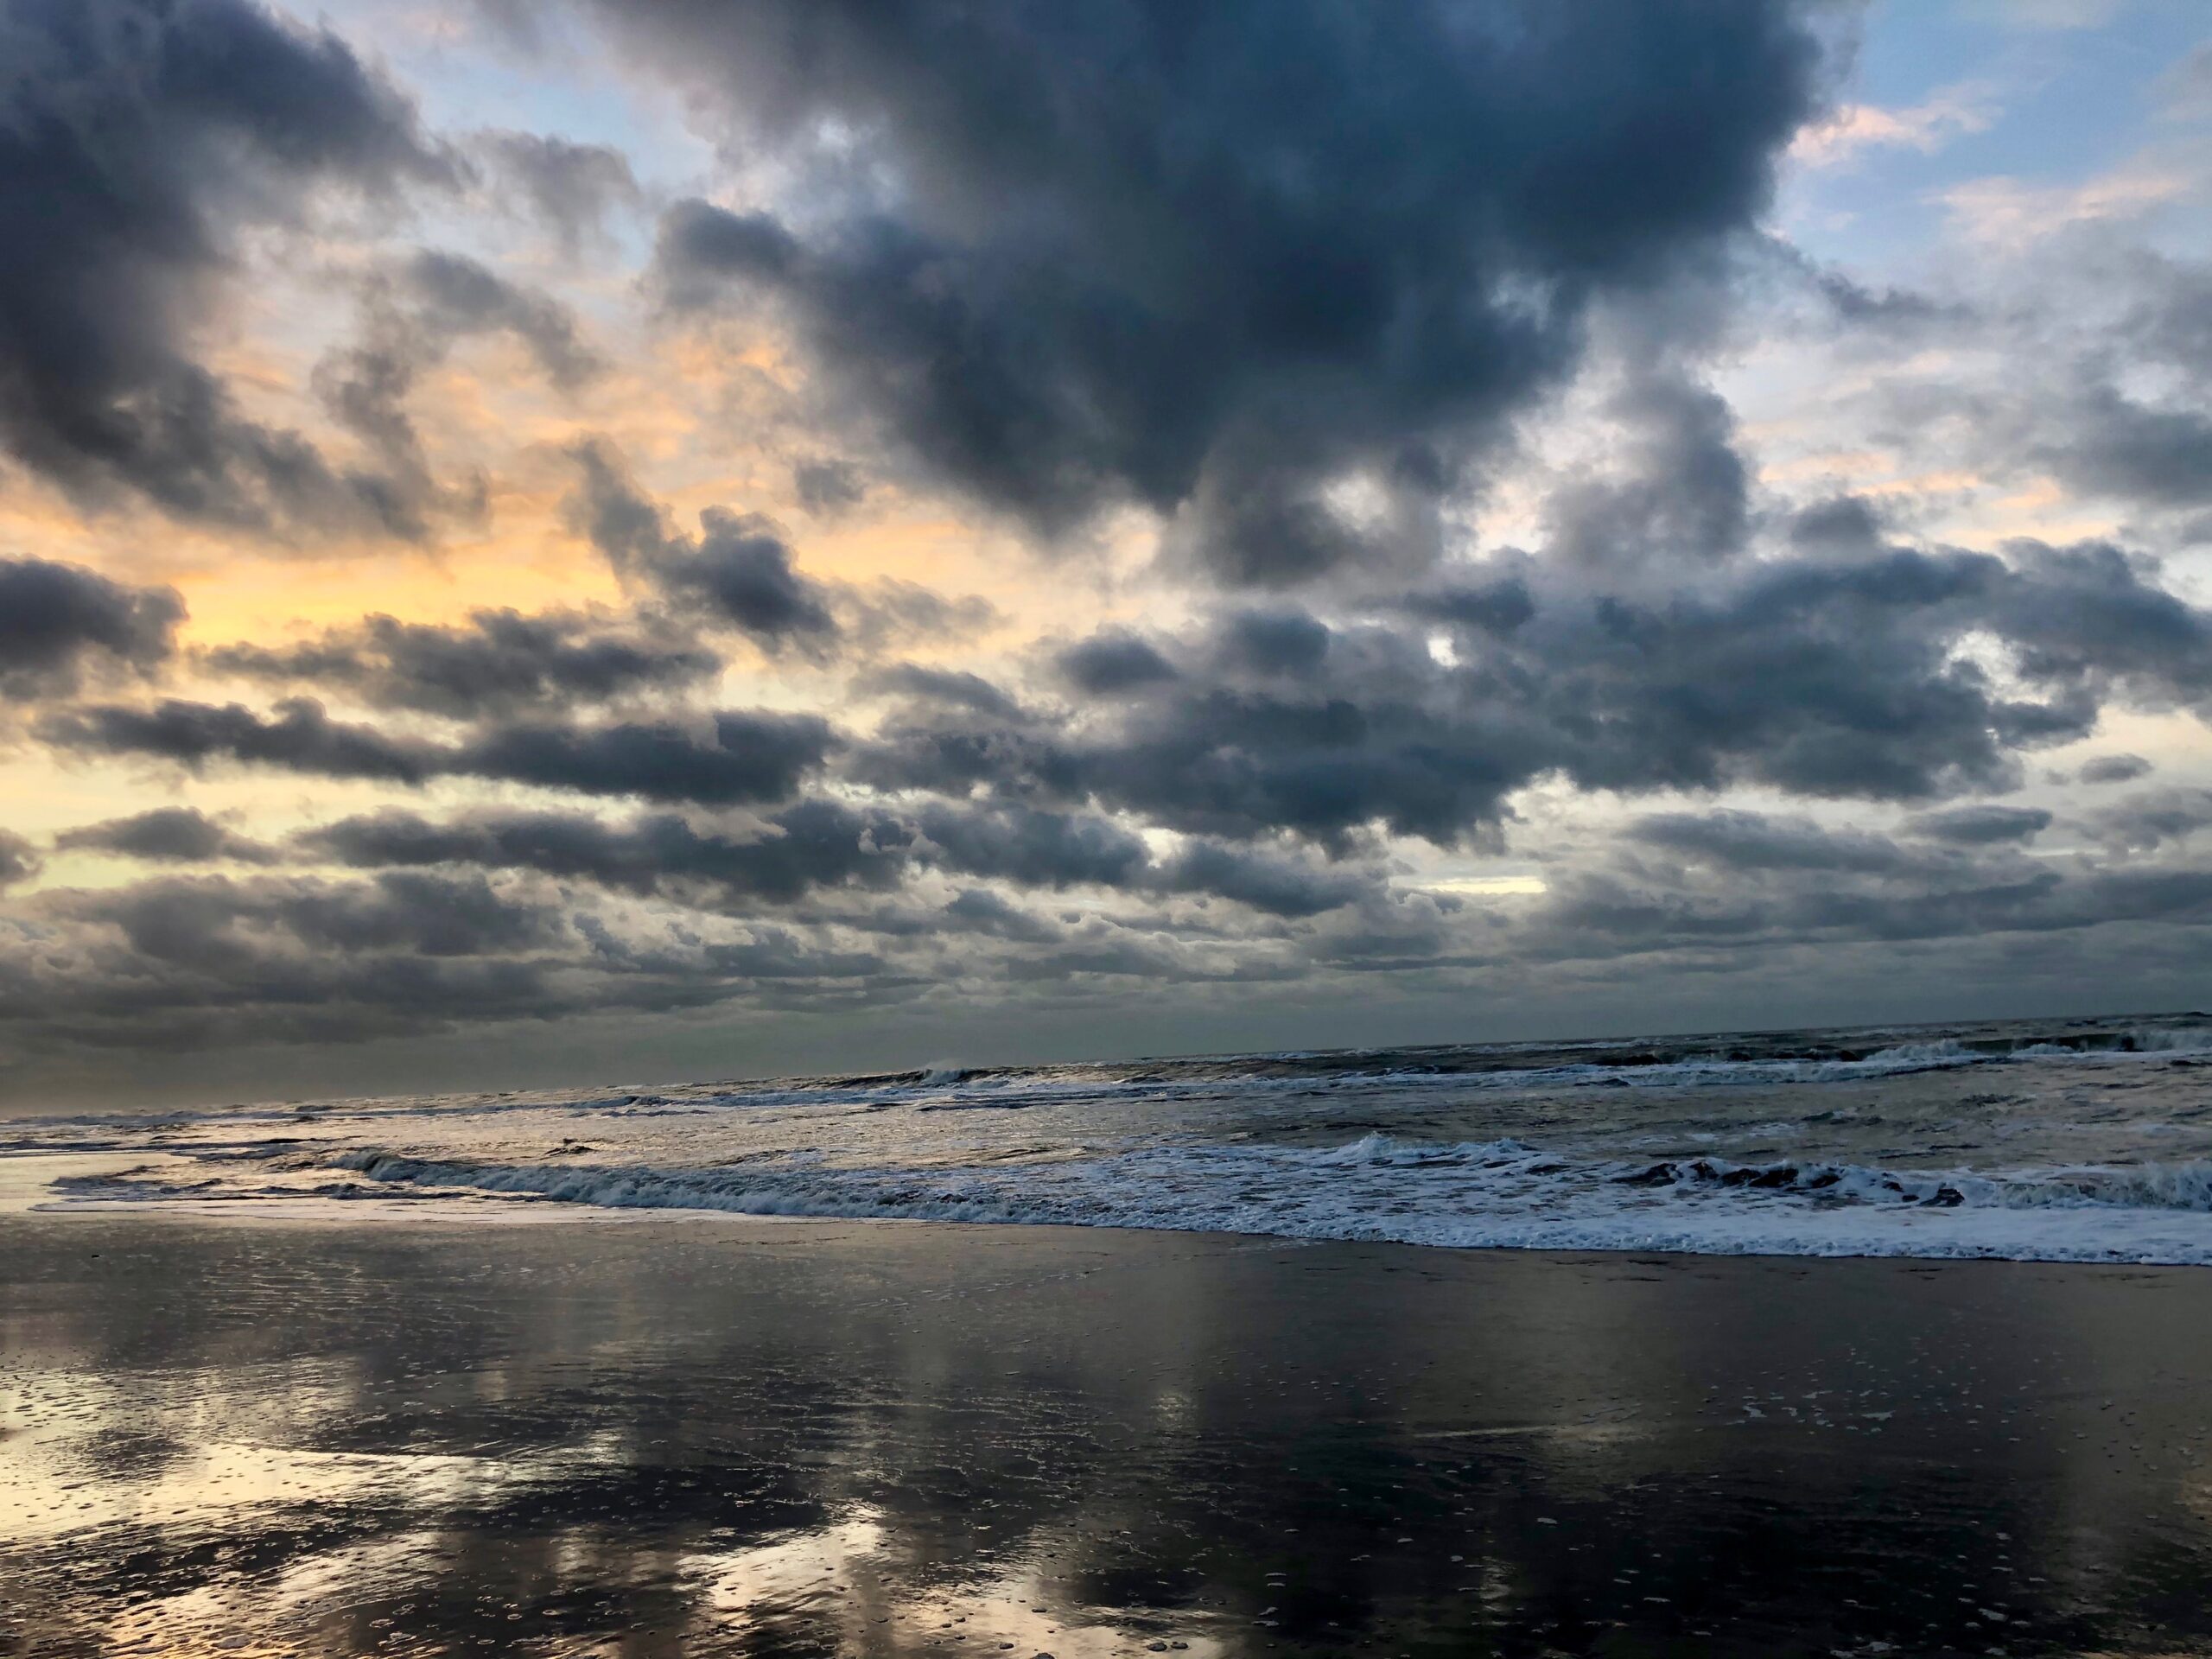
[[722, 1436]]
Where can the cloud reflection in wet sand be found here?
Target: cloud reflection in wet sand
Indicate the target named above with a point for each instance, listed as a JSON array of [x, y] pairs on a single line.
[[720, 1437]]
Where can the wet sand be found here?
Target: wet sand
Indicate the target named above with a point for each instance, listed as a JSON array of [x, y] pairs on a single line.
[[718, 1436]]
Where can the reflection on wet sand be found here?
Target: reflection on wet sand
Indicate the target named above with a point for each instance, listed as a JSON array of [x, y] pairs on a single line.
[[725, 1437]]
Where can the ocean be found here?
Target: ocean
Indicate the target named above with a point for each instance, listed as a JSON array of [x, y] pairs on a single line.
[[2069, 1140]]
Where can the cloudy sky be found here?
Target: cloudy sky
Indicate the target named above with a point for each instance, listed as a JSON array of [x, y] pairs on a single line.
[[647, 538]]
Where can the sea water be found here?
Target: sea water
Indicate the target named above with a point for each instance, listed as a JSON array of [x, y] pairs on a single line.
[[2082, 1140]]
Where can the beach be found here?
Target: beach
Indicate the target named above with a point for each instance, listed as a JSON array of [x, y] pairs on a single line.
[[898, 828], [253, 1433]]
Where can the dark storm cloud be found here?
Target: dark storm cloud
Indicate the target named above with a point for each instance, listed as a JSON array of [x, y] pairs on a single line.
[[813, 844], [138, 141], [1113, 662], [1211, 260], [1754, 841], [831, 846], [62, 624], [1981, 826], [433, 915], [819, 844], [2124, 340], [1493, 608], [1280, 886], [742, 566], [176, 964], [725, 759], [1034, 849], [739, 565], [301, 737], [167, 835], [1268, 643], [499, 661], [1838, 677], [1031, 848]]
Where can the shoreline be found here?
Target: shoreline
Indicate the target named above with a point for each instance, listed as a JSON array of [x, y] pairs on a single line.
[[436, 1209]]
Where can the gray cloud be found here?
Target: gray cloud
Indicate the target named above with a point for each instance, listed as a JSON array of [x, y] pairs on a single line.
[[19, 859], [138, 141], [1280, 886], [981, 910], [724, 759], [499, 661], [217, 924], [827, 484], [2147, 822], [457, 297], [2115, 445], [739, 565], [301, 737], [62, 624], [573, 188], [815, 845], [1271, 246], [1031, 848], [811, 845], [1685, 497], [1982, 826], [950, 687], [1835, 677], [1111, 663], [168, 835], [413, 315], [1754, 841], [1623, 917], [2115, 769]]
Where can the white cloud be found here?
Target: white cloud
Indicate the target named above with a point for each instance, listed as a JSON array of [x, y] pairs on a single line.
[[2045, 15], [2007, 212], [1948, 114]]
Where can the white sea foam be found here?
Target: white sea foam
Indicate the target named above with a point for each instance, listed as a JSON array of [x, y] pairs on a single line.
[[1497, 1194]]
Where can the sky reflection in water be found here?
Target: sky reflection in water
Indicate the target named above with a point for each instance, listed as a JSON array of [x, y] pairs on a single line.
[[745, 1437]]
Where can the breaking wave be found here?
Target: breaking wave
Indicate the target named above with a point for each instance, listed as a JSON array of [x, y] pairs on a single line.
[[1493, 1194]]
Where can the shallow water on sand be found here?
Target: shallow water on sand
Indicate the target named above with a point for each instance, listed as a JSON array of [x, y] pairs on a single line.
[[724, 1436]]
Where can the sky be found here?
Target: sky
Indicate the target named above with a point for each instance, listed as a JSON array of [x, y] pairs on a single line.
[[593, 540]]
